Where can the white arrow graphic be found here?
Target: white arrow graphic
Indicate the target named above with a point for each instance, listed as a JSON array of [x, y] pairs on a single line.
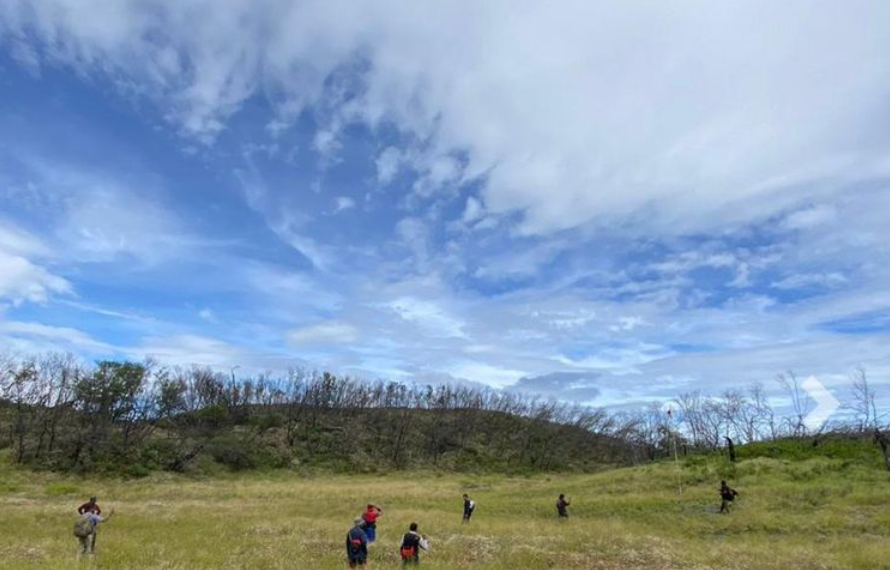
[[826, 404]]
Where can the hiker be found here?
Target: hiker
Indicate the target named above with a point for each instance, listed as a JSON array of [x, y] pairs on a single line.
[[357, 545], [562, 507], [89, 507], [86, 528], [412, 544], [469, 507], [370, 518], [727, 496]]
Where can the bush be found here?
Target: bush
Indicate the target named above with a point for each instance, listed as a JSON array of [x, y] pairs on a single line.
[[232, 452]]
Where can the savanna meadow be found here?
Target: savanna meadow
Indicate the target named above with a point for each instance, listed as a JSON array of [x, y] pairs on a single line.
[[796, 510], [199, 470]]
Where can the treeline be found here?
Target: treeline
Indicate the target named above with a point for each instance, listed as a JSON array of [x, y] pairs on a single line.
[[60, 413]]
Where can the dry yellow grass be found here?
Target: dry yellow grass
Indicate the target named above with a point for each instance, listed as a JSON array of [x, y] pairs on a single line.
[[624, 519]]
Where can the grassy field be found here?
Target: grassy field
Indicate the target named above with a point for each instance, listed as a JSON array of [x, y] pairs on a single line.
[[804, 514]]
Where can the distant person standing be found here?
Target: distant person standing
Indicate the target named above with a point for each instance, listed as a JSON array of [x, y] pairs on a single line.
[[86, 528], [562, 507], [412, 544], [357, 545], [370, 516], [89, 507], [469, 507], [727, 496]]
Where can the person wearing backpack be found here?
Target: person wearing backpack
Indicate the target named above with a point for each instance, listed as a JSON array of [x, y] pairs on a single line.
[[370, 517], [357, 545], [412, 544], [86, 528], [727, 496], [469, 507], [562, 507]]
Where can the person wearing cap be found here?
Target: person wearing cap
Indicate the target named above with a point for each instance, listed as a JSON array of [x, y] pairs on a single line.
[[357, 545], [372, 513], [89, 507]]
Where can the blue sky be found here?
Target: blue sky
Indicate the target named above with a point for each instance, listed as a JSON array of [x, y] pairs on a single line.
[[599, 202]]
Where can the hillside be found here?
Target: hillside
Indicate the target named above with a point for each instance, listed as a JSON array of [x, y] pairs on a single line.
[[803, 512], [212, 440], [124, 417]]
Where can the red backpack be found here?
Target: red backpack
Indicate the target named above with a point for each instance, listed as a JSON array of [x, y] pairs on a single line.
[[408, 552]]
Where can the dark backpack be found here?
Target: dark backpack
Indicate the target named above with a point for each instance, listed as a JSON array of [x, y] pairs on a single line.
[[355, 544]]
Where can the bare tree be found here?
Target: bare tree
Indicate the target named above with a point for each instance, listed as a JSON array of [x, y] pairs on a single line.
[[801, 404], [864, 405], [766, 425]]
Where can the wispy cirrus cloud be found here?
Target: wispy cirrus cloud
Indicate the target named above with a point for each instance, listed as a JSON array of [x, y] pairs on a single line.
[[600, 202]]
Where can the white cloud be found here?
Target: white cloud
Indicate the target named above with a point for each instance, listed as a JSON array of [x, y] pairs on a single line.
[[697, 116], [810, 217], [628, 323], [388, 164], [429, 316], [566, 319], [323, 333], [286, 222], [618, 361], [103, 223], [92, 215], [486, 374], [190, 349], [22, 279], [343, 203], [799, 280], [208, 315], [35, 338], [473, 211]]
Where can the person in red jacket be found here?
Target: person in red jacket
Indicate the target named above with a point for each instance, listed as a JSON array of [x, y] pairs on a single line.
[[370, 517], [89, 507]]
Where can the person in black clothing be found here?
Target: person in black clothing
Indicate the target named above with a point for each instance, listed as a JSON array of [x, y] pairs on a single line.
[[469, 507], [412, 543], [357, 545], [727, 496], [562, 507], [89, 507]]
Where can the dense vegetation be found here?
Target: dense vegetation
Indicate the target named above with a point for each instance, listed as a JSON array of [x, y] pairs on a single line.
[[62, 414], [801, 507]]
